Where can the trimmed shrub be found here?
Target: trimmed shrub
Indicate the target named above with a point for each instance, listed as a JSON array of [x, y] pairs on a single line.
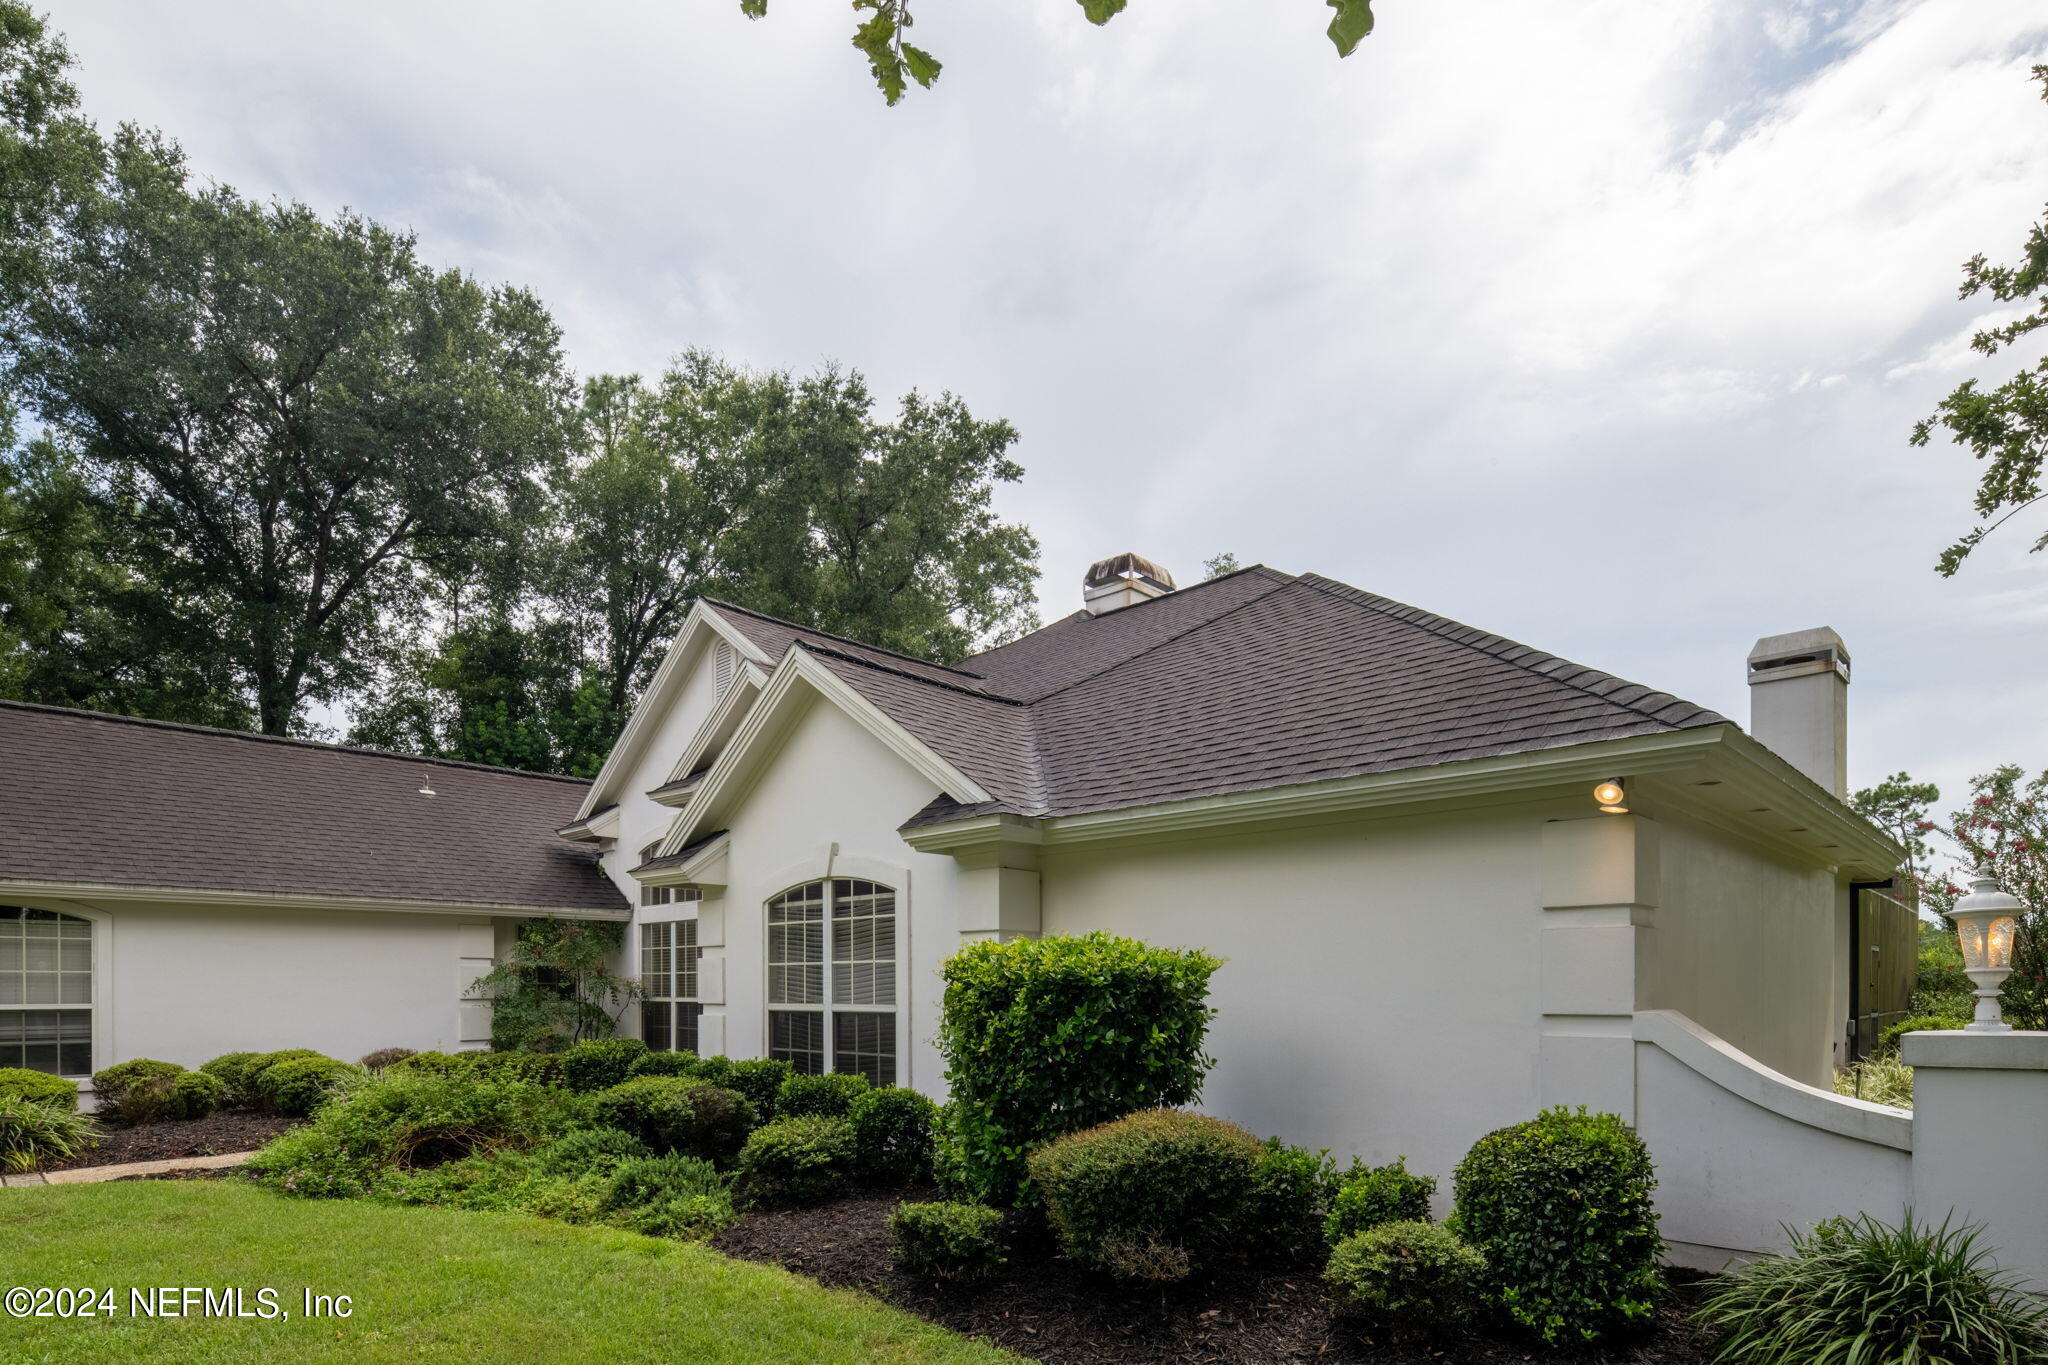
[[1153, 1196], [34, 1132], [796, 1160], [758, 1078], [590, 1151], [1859, 1289], [414, 1120], [539, 1068], [668, 1064], [135, 1091], [600, 1063], [1888, 1041], [892, 1133], [1406, 1276], [670, 1196], [1371, 1195], [384, 1057], [1561, 1209], [233, 1070], [39, 1086], [263, 1061], [195, 1094], [301, 1085], [826, 1097], [1049, 1036], [948, 1241], [679, 1114], [1290, 1196]]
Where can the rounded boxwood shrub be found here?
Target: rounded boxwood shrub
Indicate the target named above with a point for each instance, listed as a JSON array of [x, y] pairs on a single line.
[[263, 1061], [1047, 1036], [830, 1097], [136, 1091], [679, 1114], [299, 1086], [1861, 1289], [600, 1063], [39, 1086], [1153, 1196], [1371, 1195], [1406, 1276], [948, 1241], [1561, 1209], [892, 1133], [796, 1160], [1290, 1196], [758, 1078], [233, 1069], [195, 1094], [36, 1132], [669, 1064]]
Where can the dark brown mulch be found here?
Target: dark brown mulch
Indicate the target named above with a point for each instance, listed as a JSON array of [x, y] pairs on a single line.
[[1043, 1307], [189, 1173], [234, 1131]]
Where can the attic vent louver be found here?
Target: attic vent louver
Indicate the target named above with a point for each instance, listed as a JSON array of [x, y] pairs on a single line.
[[1123, 581], [722, 663]]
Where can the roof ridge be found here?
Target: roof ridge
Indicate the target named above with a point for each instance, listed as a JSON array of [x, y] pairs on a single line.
[[859, 662], [292, 741], [1283, 581], [1640, 698], [843, 639], [1280, 576]]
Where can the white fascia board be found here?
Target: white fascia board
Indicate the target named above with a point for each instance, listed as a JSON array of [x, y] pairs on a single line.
[[690, 639], [707, 869], [746, 684], [732, 775], [279, 900]]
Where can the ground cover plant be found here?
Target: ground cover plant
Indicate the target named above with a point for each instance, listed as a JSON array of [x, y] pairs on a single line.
[[1861, 1290], [501, 1287]]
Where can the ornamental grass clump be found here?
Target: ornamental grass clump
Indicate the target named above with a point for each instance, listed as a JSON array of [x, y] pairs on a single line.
[[36, 1132], [1882, 1079], [1371, 1195], [1153, 1197], [1561, 1209], [1406, 1278], [1862, 1292], [1054, 1035], [948, 1241]]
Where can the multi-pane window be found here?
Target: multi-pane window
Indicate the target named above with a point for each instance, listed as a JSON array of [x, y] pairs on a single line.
[[669, 895], [669, 1010], [45, 991], [843, 1019]]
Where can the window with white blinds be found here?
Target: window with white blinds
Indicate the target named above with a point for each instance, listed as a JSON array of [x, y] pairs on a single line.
[[844, 1018], [669, 1010], [45, 991]]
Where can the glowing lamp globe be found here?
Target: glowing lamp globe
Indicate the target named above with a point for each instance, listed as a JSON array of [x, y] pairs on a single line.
[[1608, 796], [1986, 922]]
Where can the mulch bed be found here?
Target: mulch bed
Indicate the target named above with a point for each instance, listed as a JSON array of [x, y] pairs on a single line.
[[233, 1131], [1043, 1307]]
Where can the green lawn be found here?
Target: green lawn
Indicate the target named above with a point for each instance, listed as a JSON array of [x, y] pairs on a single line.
[[427, 1284]]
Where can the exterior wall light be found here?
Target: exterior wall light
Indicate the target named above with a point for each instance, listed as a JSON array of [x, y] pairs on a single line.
[[1986, 921], [1609, 797]]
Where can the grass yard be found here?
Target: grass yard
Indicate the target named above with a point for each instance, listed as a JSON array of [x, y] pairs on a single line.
[[427, 1284]]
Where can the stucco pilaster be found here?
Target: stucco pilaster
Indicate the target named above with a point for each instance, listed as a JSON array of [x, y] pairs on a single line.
[[1600, 890]]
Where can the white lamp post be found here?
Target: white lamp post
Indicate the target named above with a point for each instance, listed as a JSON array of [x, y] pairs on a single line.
[[1986, 921]]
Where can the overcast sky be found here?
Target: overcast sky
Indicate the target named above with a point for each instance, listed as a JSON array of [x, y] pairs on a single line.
[[1599, 325]]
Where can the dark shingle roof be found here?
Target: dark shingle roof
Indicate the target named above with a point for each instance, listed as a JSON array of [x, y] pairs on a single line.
[[1260, 679], [98, 799]]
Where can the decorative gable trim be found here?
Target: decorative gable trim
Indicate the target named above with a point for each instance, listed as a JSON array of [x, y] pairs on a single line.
[[796, 681]]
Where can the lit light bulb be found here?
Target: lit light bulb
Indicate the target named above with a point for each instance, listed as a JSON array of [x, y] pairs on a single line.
[[1608, 796]]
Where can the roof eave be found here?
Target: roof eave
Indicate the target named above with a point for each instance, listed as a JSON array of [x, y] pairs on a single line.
[[292, 900]]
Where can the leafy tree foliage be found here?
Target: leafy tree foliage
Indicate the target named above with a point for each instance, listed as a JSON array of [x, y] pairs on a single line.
[[895, 62], [556, 987], [2005, 428], [1219, 565], [1899, 805]]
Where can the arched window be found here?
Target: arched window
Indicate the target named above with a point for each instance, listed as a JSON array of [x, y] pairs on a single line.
[[843, 1019], [45, 991]]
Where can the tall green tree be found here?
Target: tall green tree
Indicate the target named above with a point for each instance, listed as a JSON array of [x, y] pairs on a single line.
[[2005, 428], [882, 30], [291, 425]]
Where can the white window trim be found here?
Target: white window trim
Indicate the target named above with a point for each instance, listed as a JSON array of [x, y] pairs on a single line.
[[832, 864], [102, 974]]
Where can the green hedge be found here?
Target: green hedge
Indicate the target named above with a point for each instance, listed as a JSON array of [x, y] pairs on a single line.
[[136, 1091], [601, 1063], [1406, 1277], [299, 1086], [1561, 1209], [1154, 1196], [679, 1114], [1049, 1036], [797, 1160], [1290, 1196], [827, 1097], [948, 1241], [1888, 1041], [39, 1086], [892, 1133]]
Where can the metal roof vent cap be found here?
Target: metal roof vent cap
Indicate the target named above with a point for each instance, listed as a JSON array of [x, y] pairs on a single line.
[[1123, 581]]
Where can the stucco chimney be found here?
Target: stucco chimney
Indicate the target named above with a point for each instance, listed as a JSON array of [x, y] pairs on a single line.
[[1123, 581], [1799, 703]]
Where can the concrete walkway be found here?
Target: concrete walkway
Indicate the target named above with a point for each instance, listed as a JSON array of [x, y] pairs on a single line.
[[92, 1175]]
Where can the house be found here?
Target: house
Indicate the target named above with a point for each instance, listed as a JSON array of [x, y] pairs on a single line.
[[1386, 822]]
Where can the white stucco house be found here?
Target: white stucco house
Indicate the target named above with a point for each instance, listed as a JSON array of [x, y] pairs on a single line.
[[1385, 821]]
